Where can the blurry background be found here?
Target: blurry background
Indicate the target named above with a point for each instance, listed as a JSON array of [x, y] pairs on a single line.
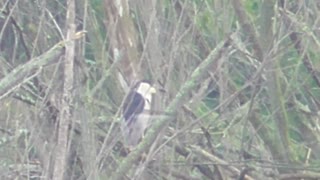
[[255, 111]]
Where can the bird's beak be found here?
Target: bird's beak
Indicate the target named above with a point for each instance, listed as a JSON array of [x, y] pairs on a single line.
[[153, 90]]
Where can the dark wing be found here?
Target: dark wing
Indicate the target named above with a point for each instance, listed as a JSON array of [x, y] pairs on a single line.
[[133, 104]]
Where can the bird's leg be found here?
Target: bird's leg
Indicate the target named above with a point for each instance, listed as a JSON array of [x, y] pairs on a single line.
[[124, 151]]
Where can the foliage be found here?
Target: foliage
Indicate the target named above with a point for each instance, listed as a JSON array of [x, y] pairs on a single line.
[[251, 111]]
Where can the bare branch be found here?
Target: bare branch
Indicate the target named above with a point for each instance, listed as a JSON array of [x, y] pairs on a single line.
[[67, 98]]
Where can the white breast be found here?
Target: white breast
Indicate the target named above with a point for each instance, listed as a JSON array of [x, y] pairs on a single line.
[[134, 131]]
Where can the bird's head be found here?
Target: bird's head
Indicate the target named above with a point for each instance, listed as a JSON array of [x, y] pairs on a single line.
[[138, 99], [145, 88]]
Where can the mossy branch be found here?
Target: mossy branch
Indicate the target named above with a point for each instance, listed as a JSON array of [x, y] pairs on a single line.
[[25, 72]]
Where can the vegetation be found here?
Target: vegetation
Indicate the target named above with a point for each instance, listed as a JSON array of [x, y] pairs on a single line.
[[240, 81]]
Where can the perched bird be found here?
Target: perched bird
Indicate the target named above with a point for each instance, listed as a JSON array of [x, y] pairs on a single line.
[[137, 112]]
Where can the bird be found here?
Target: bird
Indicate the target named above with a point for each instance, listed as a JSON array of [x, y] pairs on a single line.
[[136, 112]]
